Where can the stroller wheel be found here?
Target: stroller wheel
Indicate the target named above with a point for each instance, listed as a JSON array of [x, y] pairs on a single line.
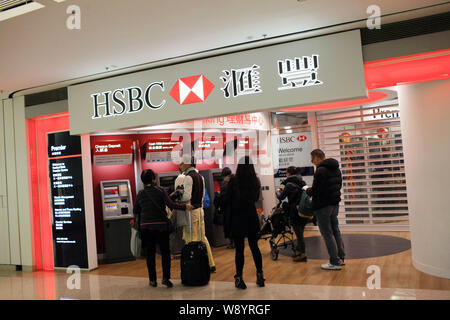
[[274, 254]]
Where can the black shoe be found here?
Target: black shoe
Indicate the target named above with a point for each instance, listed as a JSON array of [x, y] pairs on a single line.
[[342, 262], [153, 283], [260, 279], [239, 283], [213, 269], [167, 283]]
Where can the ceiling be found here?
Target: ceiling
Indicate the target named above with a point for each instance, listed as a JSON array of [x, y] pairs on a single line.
[[38, 49]]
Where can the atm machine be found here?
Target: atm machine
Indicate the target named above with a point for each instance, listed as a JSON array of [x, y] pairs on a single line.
[[214, 233], [166, 180], [117, 213]]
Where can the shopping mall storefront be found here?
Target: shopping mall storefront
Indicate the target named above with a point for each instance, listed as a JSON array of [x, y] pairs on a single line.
[[274, 103]]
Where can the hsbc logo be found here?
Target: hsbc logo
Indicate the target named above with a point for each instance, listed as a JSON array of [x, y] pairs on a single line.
[[292, 139], [286, 139], [191, 89], [134, 99]]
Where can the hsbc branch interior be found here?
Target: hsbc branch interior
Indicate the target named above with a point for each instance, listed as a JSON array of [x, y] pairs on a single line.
[[293, 169]]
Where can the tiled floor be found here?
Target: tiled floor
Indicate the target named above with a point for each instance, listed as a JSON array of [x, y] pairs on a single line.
[[54, 285]]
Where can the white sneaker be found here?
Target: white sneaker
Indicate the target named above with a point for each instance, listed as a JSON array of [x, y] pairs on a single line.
[[329, 266]]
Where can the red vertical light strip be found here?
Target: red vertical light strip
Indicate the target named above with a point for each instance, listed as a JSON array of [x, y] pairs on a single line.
[[44, 196], [49, 285], [40, 195], [34, 196]]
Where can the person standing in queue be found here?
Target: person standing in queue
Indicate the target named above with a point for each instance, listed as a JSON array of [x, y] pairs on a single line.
[[242, 192], [326, 195], [194, 193], [151, 216], [292, 190], [222, 205]]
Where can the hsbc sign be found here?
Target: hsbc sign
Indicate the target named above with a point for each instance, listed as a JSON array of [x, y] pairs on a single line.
[[134, 99], [291, 139], [191, 89], [125, 100], [291, 150], [296, 73]]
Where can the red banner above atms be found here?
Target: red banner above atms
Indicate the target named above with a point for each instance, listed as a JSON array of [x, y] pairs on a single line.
[[160, 149], [113, 153]]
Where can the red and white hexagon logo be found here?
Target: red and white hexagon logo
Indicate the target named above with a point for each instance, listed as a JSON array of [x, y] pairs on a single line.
[[191, 89], [301, 138]]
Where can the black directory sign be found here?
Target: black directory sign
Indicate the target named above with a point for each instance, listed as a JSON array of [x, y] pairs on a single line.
[[66, 185]]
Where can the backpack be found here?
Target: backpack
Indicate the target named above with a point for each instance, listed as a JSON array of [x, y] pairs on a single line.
[[304, 207]]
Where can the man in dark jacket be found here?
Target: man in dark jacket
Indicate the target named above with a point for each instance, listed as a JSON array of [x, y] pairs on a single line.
[[292, 191], [326, 195]]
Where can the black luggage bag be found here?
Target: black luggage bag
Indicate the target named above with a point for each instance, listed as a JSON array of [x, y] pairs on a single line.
[[195, 270]]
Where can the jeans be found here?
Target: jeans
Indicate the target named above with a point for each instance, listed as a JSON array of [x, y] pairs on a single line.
[[329, 228], [239, 257], [299, 229], [150, 239], [197, 217]]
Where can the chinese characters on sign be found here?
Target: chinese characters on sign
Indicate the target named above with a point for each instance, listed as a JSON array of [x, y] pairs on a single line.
[[67, 200], [239, 82], [298, 73]]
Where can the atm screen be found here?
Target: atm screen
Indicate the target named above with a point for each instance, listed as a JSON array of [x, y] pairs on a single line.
[[167, 182], [111, 192]]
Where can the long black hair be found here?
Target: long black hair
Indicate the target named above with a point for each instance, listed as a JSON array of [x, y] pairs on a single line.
[[248, 183]]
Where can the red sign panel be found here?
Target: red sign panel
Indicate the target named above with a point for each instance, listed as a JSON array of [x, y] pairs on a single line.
[[110, 153], [113, 147], [160, 149]]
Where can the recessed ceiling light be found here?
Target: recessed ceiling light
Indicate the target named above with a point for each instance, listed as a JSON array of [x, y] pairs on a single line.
[[59, 1], [17, 11]]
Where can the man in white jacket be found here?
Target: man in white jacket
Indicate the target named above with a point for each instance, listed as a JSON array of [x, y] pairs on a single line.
[[194, 193]]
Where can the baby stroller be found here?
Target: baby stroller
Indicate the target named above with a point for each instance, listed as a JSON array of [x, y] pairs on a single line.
[[278, 223]]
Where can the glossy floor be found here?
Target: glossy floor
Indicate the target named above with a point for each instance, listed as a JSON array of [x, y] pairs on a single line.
[[58, 285], [396, 270], [285, 280]]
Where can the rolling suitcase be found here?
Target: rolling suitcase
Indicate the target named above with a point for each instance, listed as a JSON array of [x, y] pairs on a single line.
[[195, 270]]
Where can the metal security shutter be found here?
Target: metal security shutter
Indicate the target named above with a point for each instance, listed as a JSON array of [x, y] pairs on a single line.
[[367, 142]]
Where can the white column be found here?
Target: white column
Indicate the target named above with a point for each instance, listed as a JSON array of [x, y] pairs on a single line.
[[89, 202], [425, 123], [23, 195], [5, 256], [11, 182]]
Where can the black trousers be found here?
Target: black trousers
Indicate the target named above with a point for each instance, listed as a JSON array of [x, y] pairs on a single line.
[[151, 238], [256, 253], [299, 229]]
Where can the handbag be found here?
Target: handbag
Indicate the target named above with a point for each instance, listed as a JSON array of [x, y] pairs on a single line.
[[304, 208], [182, 217], [136, 243]]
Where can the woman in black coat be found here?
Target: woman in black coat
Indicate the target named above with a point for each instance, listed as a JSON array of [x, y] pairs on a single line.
[[153, 224], [242, 222], [292, 190]]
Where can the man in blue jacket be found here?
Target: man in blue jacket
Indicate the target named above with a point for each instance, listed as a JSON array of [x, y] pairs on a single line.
[[326, 195]]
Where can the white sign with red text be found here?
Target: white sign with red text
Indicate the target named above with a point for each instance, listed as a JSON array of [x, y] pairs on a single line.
[[292, 149]]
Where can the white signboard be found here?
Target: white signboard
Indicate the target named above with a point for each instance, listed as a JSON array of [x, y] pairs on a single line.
[[293, 149]]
